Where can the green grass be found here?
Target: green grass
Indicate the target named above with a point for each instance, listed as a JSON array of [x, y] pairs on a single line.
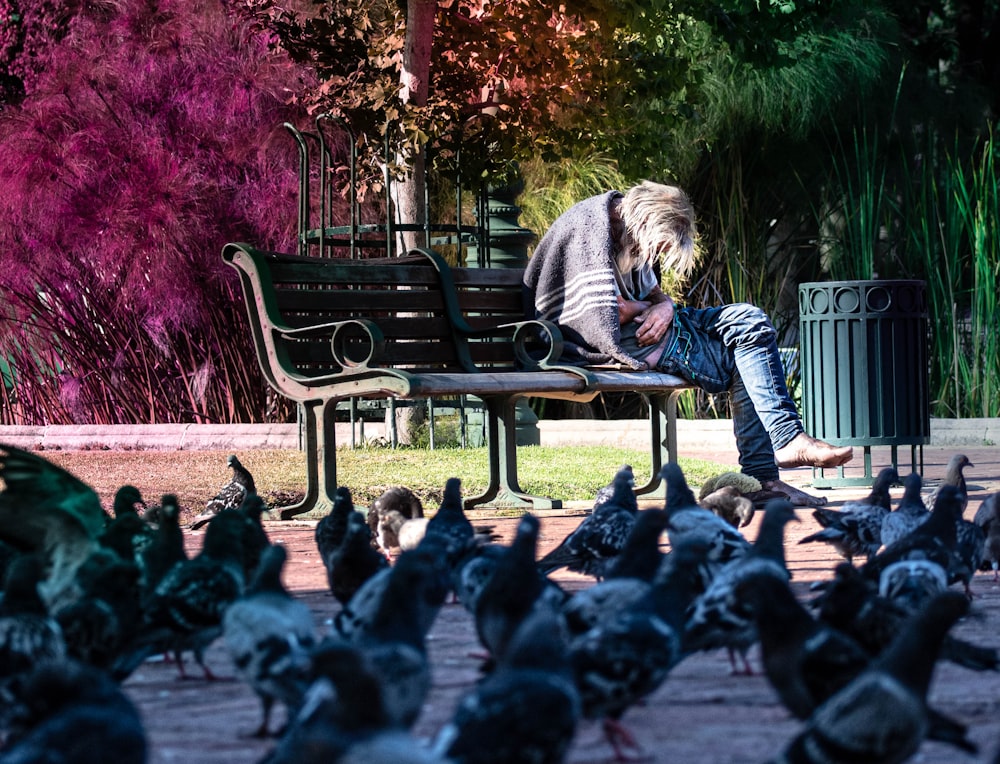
[[570, 473]]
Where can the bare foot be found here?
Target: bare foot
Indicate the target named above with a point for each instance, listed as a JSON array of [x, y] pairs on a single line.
[[806, 451], [795, 496]]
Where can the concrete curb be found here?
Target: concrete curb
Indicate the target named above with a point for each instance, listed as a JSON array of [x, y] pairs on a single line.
[[713, 434]]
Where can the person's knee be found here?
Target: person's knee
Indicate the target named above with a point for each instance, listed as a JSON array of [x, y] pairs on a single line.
[[748, 324]]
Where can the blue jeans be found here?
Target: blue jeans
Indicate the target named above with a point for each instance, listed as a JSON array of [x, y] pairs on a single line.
[[734, 348]]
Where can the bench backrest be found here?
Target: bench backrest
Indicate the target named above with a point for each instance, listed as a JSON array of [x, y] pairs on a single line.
[[405, 299]]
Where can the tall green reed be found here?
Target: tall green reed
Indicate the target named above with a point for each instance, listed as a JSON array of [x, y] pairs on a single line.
[[951, 226], [928, 212]]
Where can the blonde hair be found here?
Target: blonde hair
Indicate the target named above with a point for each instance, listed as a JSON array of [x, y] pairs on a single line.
[[659, 220]]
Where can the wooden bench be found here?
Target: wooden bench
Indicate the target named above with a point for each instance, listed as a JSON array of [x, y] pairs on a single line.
[[330, 329]]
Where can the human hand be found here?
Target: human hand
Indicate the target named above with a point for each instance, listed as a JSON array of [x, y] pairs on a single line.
[[653, 322], [629, 310]]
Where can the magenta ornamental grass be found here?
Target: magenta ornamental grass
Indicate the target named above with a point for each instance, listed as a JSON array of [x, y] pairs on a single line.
[[150, 134]]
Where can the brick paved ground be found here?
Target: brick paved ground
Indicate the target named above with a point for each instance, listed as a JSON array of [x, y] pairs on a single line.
[[700, 714]]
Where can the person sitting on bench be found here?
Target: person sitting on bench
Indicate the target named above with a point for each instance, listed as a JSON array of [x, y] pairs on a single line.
[[593, 274]]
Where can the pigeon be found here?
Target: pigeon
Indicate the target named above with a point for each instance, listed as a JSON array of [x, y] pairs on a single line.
[[970, 547], [881, 715], [912, 583], [332, 527], [987, 517], [624, 659], [269, 636], [606, 494], [344, 717], [600, 536], [641, 556], [29, 635], [526, 710], [449, 526], [127, 533], [47, 510], [106, 616], [166, 547], [856, 529], [389, 512], [354, 561], [686, 520], [850, 602], [954, 475], [629, 576], [393, 641], [908, 514], [7, 554], [729, 504], [67, 711], [933, 540], [185, 611], [718, 617], [354, 620], [255, 539], [511, 592], [807, 661], [470, 574], [230, 496]]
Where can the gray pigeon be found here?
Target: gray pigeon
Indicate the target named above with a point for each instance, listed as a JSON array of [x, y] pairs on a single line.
[[987, 517], [954, 475], [807, 661], [909, 512], [525, 710], [912, 583], [29, 635], [185, 611], [354, 561], [687, 522], [231, 495], [599, 538], [393, 642], [933, 540], [856, 529], [67, 711], [628, 580], [511, 593], [332, 527], [624, 659], [344, 717], [882, 714], [718, 617], [355, 620], [269, 635]]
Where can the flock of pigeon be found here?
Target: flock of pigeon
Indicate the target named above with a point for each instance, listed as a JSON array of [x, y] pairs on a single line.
[[87, 597]]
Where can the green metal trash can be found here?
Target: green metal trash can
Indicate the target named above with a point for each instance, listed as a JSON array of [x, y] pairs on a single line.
[[863, 352]]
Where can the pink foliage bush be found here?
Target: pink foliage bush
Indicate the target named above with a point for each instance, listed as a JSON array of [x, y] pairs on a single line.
[[151, 137]]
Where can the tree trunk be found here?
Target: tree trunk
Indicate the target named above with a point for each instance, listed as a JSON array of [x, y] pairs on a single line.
[[408, 194]]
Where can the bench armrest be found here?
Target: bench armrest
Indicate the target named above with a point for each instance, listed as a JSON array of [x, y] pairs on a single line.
[[373, 341], [545, 336]]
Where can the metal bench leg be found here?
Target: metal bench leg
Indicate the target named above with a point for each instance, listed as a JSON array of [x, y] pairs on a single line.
[[503, 491], [320, 435], [663, 436]]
